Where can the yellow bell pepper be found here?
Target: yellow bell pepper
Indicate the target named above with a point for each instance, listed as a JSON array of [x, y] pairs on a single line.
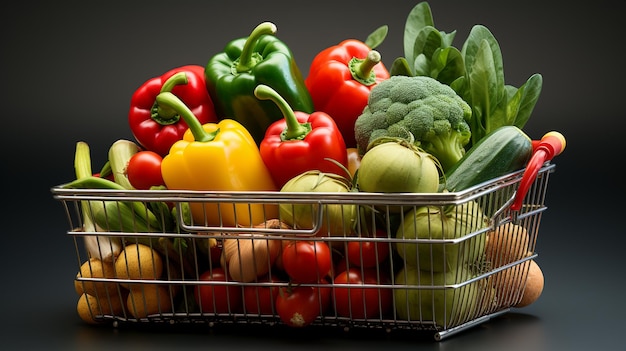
[[217, 157]]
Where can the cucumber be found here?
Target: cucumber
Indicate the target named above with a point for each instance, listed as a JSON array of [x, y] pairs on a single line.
[[504, 150]]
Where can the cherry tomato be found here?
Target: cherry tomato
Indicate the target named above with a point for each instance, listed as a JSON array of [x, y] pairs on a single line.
[[368, 254], [261, 299], [359, 301], [217, 298], [307, 261], [144, 170], [299, 306]]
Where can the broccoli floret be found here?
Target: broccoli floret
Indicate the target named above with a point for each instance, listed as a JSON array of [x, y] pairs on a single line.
[[420, 106]]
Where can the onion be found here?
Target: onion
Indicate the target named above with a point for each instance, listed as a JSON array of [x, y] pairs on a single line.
[[337, 219], [248, 256], [394, 165]]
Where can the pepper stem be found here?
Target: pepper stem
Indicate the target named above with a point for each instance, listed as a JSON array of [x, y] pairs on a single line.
[[248, 59], [171, 101], [167, 116], [294, 129], [363, 69]]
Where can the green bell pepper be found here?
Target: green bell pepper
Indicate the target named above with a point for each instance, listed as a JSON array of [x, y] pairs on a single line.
[[232, 75]]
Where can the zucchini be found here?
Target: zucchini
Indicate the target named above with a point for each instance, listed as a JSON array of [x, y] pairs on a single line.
[[504, 150]]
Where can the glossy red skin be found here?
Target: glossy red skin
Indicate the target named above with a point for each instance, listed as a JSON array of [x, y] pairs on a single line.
[[154, 136], [144, 170], [368, 254], [333, 88], [261, 299], [359, 302], [307, 261], [287, 159], [299, 306], [218, 298]]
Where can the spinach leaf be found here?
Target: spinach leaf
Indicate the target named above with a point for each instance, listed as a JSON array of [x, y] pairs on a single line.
[[476, 72], [447, 65], [377, 37], [401, 67], [419, 17]]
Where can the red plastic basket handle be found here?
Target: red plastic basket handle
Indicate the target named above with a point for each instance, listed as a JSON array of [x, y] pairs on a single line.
[[550, 145]]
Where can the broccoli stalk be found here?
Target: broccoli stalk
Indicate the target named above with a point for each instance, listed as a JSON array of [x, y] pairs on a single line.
[[417, 108]]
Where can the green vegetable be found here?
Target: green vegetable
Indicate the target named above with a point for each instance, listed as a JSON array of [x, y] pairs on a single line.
[[421, 108], [442, 223], [432, 297], [394, 165], [261, 58], [119, 154], [504, 150], [428, 51], [476, 72], [336, 219], [128, 216], [99, 246]]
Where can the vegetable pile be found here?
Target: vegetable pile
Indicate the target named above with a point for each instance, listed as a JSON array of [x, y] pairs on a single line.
[[439, 120]]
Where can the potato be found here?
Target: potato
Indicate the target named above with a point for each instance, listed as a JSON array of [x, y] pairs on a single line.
[[146, 299], [507, 243], [95, 268], [534, 285], [138, 261], [88, 306]]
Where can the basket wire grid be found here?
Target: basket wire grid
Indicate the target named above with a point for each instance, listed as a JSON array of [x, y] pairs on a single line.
[[428, 282]]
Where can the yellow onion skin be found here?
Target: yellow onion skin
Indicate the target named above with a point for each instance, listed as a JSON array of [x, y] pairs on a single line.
[[393, 167], [247, 257], [337, 219]]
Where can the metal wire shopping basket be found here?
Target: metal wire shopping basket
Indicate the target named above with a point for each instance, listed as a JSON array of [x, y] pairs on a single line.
[[430, 283]]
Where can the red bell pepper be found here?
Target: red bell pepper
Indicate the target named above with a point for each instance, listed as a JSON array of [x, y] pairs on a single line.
[[340, 79], [300, 142], [157, 128]]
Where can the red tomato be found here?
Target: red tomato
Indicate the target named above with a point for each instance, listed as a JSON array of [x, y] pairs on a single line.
[[340, 266], [299, 306], [144, 170], [261, 299], [368, 254], [306, 261], [217, 298], [359, 301]]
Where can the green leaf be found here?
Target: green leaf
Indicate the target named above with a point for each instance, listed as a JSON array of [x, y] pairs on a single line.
[[511, 107], [448, 65], [419, 17], [422, 66], [377, 37], [459, 86], [528, 95], [400, 67], [479, 35], [427, 42], [483, 86], [447, 38], [485, 89]]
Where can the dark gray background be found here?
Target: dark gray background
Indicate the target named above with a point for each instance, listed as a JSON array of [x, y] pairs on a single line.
[[69, 69]]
